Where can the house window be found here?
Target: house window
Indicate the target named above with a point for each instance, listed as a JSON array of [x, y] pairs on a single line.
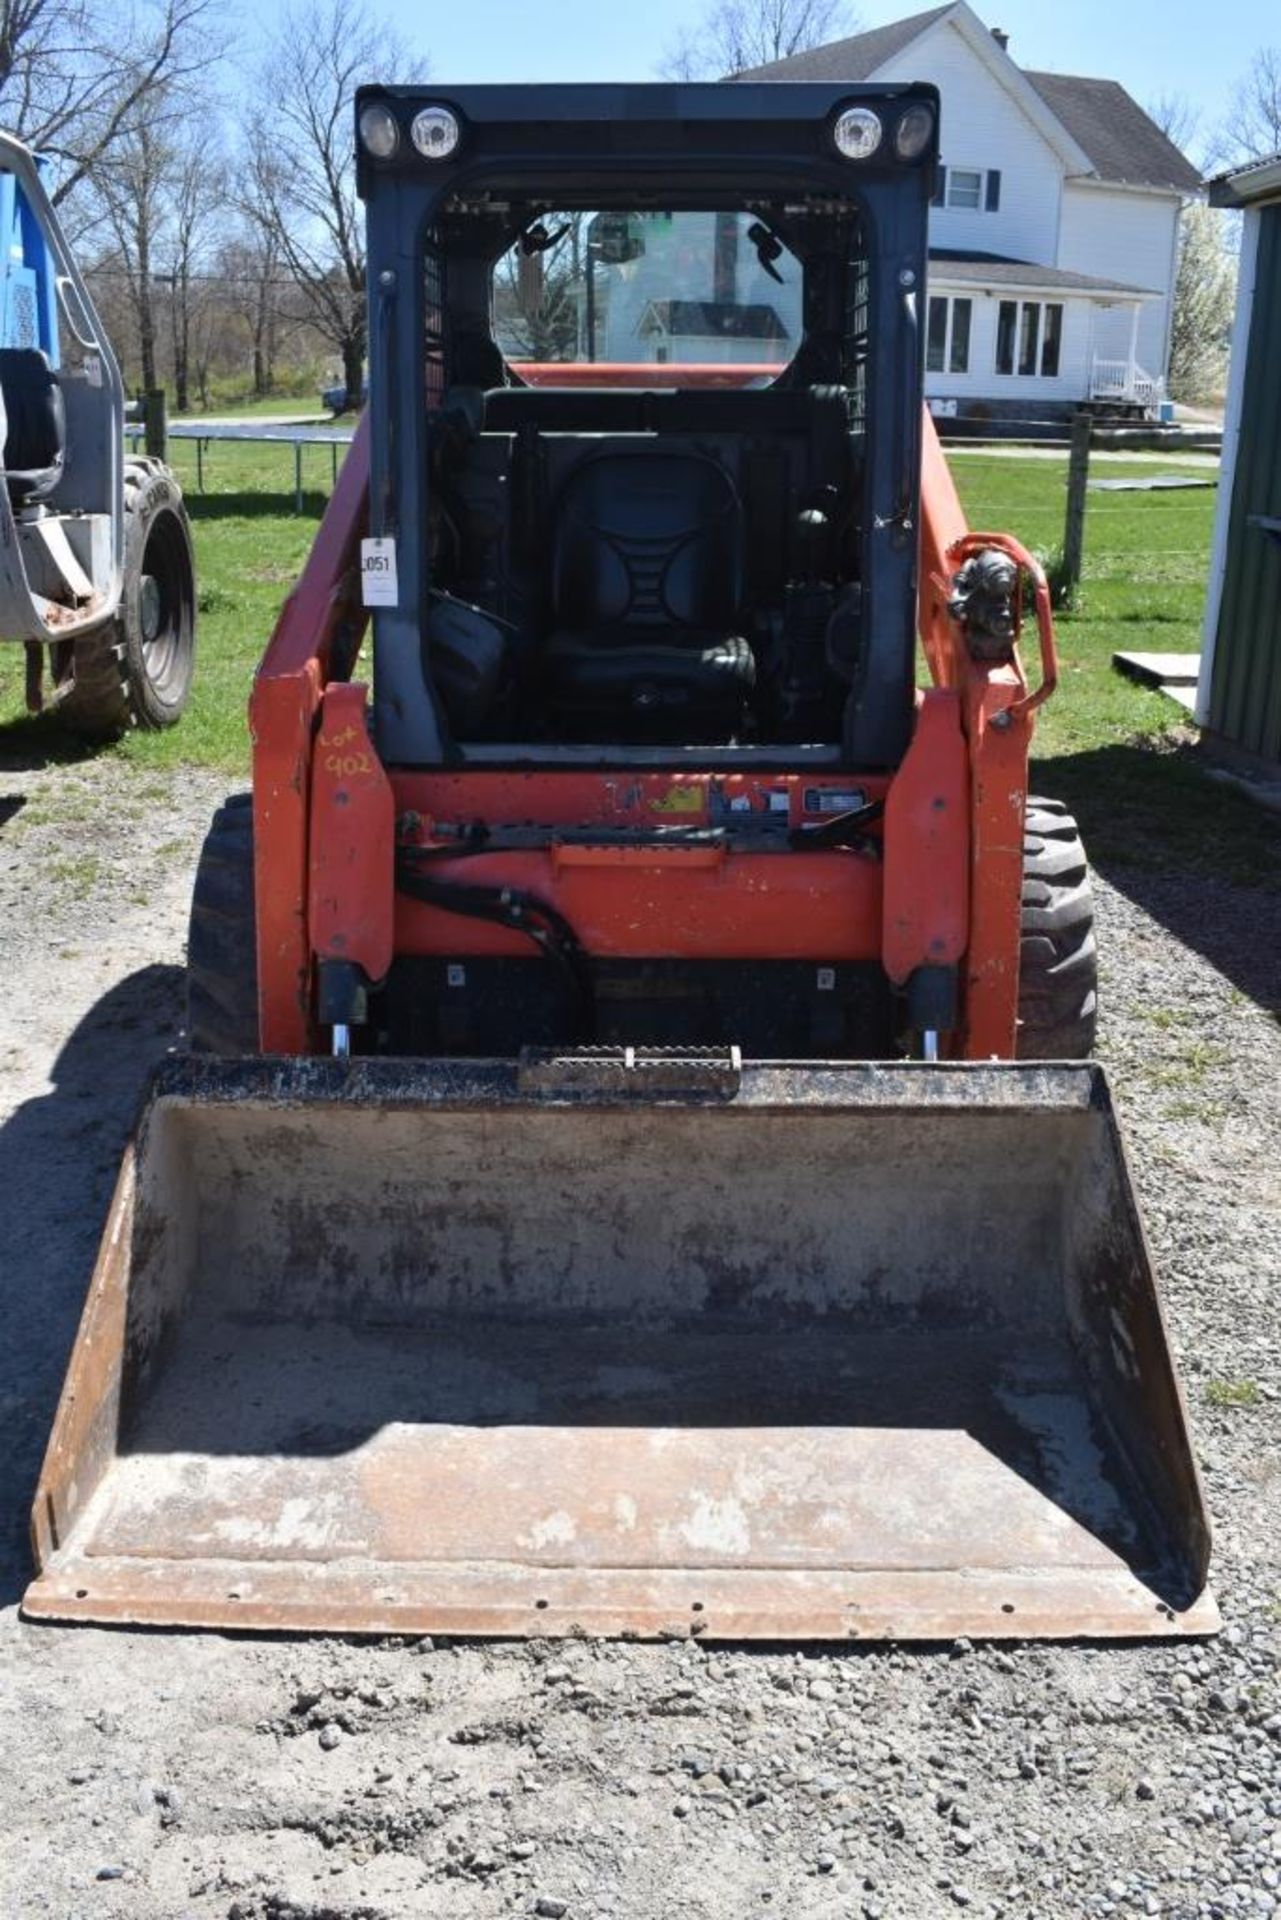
[[965, 188], [1029, 337], [972, 189], [947, 342]]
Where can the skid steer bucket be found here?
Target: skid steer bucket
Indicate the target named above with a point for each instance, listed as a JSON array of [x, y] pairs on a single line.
[[624, 1345]]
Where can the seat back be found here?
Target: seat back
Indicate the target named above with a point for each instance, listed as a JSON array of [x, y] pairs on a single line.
[[646, 540], [37, 426]]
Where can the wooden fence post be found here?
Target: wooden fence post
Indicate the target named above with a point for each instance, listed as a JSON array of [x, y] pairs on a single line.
[[155, 432], [1078, 480]]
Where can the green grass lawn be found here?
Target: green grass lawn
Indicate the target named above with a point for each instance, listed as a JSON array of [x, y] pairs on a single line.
[[250, 546], [1120, 754], [303, 406], [1146, 561]]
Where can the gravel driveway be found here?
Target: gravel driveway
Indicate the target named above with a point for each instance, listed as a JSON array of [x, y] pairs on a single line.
[[166, 1775]]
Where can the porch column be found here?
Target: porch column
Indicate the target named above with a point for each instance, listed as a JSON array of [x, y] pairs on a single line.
[[1132, 378]]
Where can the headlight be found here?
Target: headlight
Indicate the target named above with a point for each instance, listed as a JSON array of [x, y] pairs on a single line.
[[912, 134], [435, 132], [857, 133], [379, 133]]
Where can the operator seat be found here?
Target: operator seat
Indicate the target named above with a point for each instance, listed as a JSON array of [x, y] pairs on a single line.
[[37, 424], [647, 585]]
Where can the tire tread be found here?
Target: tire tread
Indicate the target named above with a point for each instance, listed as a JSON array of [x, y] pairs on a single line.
[[222, 967], [110, 691], [1058, 957]]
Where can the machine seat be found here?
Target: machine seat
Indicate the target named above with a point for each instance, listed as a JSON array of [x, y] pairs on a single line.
[[647, 580], [35, 440]]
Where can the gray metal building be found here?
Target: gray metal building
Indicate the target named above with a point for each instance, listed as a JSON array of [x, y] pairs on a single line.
[[1239, 691]]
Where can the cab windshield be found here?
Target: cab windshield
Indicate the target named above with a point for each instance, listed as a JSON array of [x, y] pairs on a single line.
[[646, 290]]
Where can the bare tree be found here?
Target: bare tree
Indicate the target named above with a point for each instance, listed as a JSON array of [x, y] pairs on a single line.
[[78, 77], [252, 276], [152, 202], [302, 163], [131, 186], [538, 293], [1204, 296], [211, 335], [1252, 129], [196, 192], [731, 35], [1178, 118]]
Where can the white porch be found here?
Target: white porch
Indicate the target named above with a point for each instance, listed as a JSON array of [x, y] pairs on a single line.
[[1126, 383], [1120, 380], [1017, 338]]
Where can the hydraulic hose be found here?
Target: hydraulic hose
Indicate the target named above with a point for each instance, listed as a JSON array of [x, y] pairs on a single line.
[[512, 907]]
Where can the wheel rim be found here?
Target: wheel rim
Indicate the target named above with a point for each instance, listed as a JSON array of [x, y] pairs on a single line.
[[164, 618], [150, 609]]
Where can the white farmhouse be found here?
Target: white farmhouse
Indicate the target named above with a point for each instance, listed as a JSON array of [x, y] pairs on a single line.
[[1054, 233]]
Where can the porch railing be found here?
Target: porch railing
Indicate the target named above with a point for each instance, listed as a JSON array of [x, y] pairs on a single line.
[[1127, 382]]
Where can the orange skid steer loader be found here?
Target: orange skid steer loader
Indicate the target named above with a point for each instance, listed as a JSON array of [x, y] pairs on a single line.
[[638, 1167]]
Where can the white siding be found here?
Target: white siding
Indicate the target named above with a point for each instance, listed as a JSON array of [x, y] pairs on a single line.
[[1112, 234], [1128, 237], [983, 126], [984, 382]]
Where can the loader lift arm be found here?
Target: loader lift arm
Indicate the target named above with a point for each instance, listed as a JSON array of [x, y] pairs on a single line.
[[316, 639], [997, 719]]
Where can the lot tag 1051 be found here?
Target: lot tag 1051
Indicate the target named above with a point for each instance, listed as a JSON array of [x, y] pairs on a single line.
[[378, 573]]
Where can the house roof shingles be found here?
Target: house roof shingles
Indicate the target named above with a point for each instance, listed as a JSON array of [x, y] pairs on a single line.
[[1123, 145], [950, 264], [852, 59]]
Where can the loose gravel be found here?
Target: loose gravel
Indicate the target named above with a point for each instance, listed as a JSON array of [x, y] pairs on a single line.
[[169, 1775]]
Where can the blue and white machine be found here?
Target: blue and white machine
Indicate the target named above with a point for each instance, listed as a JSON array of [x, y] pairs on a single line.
[[97, 576], [28, 297]]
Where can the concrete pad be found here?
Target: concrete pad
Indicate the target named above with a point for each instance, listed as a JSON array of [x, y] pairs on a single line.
[[1165, 671], [1156, 483]]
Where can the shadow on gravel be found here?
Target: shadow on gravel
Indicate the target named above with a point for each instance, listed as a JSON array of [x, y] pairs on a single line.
[[11, 804], [1189, 850], [58, 1159], [40, 740]]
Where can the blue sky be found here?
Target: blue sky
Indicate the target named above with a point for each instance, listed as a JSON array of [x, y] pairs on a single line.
[[1150, 46]]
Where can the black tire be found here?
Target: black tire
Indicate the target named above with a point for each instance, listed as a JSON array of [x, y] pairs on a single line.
[[137, 671], [222, 961], [1058, 960]]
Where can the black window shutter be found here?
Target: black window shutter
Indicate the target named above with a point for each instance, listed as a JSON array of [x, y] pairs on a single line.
[[940, 188], [994, 190]]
